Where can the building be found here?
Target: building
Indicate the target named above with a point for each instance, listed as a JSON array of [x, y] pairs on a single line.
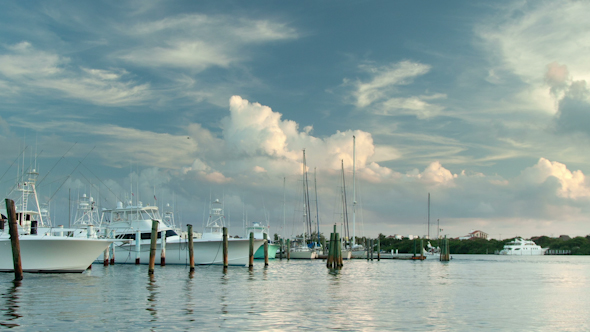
[[475, 235]]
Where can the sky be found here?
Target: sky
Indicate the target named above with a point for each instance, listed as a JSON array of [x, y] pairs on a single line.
[[483, 105]]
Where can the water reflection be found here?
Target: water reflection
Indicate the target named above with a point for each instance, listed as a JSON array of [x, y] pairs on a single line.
[[188, 290], [11, 310], [152, 289]]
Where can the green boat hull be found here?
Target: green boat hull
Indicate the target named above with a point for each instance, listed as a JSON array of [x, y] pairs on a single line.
[[272, 251]]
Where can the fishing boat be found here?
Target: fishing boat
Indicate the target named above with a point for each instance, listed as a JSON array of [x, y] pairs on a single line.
[[133, 223], [522, 247], [258, 230], [43, 248]]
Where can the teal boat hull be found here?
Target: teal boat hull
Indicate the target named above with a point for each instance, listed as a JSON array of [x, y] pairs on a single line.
[[272, 251]]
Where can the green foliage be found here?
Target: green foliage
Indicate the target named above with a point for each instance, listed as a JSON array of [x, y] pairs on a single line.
[[578, 245]]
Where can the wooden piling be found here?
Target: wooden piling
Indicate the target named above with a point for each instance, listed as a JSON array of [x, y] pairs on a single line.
[[163, 247], [191, 253], [444, 250], [251, 255], [288, 249], [372, 244], [338, 248], [13, 229], [378, 249], [225, 248], [112, 246], [137, 246], [153, 244], [265, 249], [330, 260], [421, 249], [281, 243], [367, 245]]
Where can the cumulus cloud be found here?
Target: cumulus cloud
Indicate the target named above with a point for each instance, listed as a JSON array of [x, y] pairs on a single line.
[[571, 184], [435, 174], [26, 67], [572, 98]]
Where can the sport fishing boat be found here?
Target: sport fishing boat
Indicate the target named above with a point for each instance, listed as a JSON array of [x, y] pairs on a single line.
[[133, 226], [43, 248], [258, 230], [522, 247]]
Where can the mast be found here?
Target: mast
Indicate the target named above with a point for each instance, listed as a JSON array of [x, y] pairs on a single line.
[[307, 210], [429, 216], [353, 190], [284, 215], [346, 232], [317, 210]]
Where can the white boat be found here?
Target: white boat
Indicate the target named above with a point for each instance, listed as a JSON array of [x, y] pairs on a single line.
[[135, 221], [258, 230], [302, 252], [44, 248], [522, 247]]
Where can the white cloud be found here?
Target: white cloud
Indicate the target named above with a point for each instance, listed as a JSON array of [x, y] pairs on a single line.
[[42, 72], [384, 80], [199, 41], [571, 184]]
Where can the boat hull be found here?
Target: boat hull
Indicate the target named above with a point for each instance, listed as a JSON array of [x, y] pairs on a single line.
[[52, 254], [303, 254], [206, 252], [272, 251]]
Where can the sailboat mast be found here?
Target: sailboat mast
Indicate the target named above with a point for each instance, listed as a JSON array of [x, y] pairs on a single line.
[[284, 215], [346, 232], [353, 190], [429, 216], [307, 213], [317, 209]]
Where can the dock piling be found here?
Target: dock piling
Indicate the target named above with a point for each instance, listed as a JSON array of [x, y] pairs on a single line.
[[288, 249], [112, 246], [265, 249], [281, 249], [163, 246], [251, 255], [378, 249], [137, 246], [153, 243], [225, 248], [191, 253], [14, 242]]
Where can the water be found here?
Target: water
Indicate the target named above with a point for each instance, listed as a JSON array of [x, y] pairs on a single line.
[[546, 293]]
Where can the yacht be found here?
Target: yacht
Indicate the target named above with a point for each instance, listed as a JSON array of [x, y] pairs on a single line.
[[522, 247], [43, 248], [258, 230], [133, 225]]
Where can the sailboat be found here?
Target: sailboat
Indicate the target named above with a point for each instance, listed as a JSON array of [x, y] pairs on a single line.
[[301, 250], [357, 250]]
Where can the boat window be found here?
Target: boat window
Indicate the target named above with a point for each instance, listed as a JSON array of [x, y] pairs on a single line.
[[170, 233]]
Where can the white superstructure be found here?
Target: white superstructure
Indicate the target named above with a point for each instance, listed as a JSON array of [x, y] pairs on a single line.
[[522, 247], [136, 220], [43, 248]]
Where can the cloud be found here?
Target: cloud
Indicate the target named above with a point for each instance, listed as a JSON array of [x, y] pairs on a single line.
[[42, 72], [198, 41], [378, 93], [571, 184]]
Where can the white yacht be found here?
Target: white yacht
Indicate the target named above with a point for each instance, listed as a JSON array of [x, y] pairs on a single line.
[[133, 225], [522, 247], [43, 248], [258, 230]]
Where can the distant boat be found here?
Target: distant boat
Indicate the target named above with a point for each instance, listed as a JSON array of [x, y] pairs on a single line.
[[522, 247]]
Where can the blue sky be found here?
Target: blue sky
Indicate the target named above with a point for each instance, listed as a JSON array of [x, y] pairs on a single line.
[[483, 105]]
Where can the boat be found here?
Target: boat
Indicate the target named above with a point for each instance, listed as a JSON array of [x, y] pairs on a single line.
[[44, 248], [258, 230], [302, 249], [133, 226], [521, 247]]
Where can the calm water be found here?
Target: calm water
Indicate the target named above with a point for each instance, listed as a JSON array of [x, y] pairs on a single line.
[[547, 293]]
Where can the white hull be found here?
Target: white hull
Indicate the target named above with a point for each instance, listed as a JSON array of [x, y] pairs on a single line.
[[523, 252], [303, 254], [205, 252], [51, 253]]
